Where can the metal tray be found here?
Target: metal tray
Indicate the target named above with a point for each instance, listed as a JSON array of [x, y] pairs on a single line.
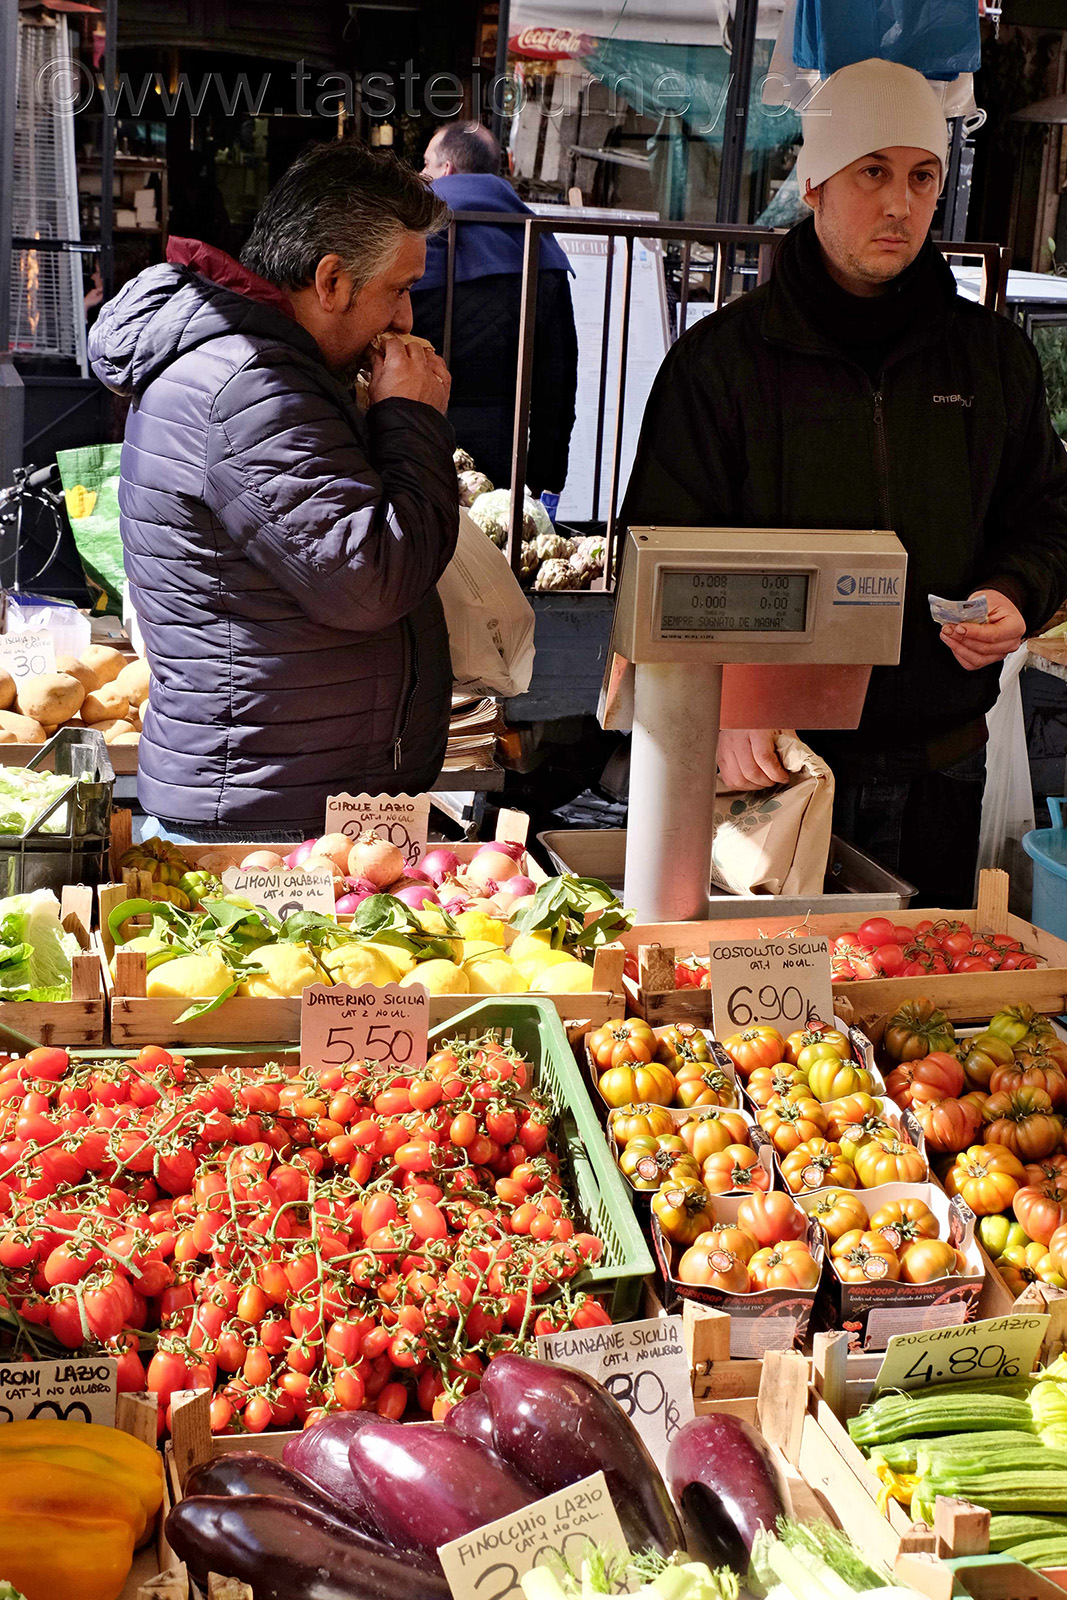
[[854, 883]]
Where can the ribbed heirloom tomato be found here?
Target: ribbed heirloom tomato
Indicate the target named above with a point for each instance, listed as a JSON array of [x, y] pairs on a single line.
[[712, 1131], [839, 1211], [771, 1217], [713, 1268], [622, 1042], [789, 1265], [864, 1257], [986, 1177], [735, 1168], [902, 1221], [754, 1047]]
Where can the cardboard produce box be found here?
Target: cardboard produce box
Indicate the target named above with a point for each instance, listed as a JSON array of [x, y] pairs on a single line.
[[872, 1312]]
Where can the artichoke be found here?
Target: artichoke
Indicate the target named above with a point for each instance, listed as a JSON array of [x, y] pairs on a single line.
[[553, 547], [530, 560], [492, 512], [464, 461], [556, 575], [471, 485]]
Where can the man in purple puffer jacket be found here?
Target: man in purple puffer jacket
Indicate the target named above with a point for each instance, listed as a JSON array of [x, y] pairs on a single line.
[[282, 547]]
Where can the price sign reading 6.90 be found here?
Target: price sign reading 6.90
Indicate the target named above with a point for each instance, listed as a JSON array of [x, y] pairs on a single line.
[[340, 1025], [784, 982]]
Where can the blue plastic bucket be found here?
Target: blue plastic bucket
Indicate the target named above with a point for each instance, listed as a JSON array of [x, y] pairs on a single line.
[[1047, 848]]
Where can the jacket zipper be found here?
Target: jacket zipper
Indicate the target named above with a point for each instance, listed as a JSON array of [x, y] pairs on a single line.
[[882, 457], [412, 691]]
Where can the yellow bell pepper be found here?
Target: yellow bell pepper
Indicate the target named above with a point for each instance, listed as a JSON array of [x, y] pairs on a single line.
[[65, 1534], [136, 1460]]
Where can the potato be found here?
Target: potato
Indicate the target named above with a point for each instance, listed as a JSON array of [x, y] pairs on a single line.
[[51, 697], [73, 668], [25, 729], [133, 681], [7, 690], [103, 703], [110, 726], [104, 661], [124, 738], [7, 737]]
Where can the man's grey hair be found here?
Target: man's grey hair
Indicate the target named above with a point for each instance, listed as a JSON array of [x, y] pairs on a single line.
[[339, 198]]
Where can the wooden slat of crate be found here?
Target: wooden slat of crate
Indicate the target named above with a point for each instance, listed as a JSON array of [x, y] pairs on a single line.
[[79, 1020], [964, 996], [136, 1019]]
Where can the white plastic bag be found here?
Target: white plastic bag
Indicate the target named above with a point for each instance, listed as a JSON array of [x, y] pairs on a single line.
[[1007, 801], [490, 621]]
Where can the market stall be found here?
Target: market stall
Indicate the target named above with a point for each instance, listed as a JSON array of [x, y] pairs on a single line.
[[390, 1141]]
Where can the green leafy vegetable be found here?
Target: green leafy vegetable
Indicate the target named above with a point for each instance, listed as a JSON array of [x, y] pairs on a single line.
[[24, 794], [582, 913], [35, 953]]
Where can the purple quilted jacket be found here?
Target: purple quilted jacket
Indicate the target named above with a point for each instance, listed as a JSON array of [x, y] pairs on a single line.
[[282, 551]]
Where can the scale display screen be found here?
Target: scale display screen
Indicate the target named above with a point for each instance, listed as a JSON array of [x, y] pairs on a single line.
[[733, 602]]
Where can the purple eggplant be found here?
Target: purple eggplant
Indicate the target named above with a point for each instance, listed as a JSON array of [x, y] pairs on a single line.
[[244, 1472], [472, 1418], [288, 1551], [321, 1454], [429, 1486], [558, 1426], [728, 1484]]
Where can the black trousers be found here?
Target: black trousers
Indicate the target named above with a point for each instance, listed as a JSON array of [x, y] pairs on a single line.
[[922, 825]]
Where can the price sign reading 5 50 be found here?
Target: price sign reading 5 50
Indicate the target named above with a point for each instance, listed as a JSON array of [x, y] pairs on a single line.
[[341, 1025]]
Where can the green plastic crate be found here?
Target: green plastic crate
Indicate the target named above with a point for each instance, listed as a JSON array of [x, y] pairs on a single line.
[[534, 1028]]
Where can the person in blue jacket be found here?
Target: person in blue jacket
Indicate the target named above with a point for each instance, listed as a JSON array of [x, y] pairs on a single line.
[[282, 547], [462, 160]]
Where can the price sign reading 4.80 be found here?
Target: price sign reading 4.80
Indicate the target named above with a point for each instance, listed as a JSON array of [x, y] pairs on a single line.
[[784, 982], [340, 1025], [402, 819], [1001, 1347]]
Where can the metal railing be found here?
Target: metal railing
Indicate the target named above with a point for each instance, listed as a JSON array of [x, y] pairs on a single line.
[[724, 240]]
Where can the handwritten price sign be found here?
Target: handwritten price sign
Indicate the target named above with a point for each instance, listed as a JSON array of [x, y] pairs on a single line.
[[283, 893], [26, 654], [403, 819], [784, 982], [340, 1025], [64, 1391], [487, 1564], [1000, 1347], [642, 1365]]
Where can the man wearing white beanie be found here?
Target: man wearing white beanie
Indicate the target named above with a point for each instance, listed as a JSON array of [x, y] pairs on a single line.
[[857, 389]]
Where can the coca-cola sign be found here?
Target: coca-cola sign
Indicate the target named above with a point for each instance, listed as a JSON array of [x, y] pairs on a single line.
[[550, 44]]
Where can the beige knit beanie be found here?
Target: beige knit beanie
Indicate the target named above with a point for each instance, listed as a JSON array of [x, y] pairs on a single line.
[[865, 107]]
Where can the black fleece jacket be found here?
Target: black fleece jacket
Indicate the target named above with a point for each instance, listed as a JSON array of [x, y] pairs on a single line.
[[767, 415]]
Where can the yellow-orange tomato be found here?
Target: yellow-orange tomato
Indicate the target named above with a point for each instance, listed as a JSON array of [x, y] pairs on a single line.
[[712, 1268], [789, 1265], [840, 1211], [926, 1259]]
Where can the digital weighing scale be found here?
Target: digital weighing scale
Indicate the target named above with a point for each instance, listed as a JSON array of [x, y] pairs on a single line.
[[796, 617]]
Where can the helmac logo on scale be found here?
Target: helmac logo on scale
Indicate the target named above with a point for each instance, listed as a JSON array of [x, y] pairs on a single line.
[[876, 587]]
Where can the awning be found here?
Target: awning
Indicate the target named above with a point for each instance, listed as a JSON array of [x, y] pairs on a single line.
[[651, 21]]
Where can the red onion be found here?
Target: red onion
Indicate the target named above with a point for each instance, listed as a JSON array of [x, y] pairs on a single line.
[[518, 888], [297, 857], [347, 903], [417, 895], [439, 865], [507, 847]]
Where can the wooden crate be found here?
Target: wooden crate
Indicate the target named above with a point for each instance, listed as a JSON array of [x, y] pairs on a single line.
[[135, 1019], [964, 997], [79, 1020]]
